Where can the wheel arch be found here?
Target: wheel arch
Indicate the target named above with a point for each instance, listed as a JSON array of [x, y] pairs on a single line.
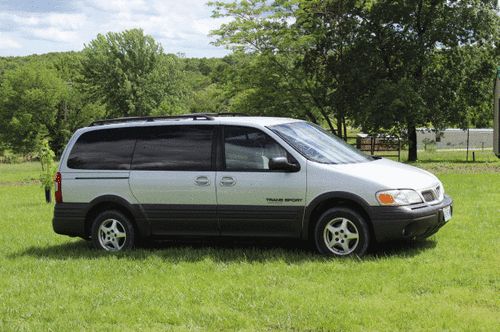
[[112, 202], [329, 200]]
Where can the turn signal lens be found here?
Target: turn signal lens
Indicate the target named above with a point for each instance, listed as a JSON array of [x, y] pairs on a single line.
[[385, 199]]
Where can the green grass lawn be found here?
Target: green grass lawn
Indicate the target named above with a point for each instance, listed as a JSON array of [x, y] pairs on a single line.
[[449, 282]]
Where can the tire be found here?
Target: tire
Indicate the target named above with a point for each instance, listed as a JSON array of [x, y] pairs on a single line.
[[342, 232], [112, 231]]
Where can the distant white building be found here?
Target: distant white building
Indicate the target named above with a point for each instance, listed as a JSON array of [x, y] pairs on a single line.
[[455, 138], [496, 115]]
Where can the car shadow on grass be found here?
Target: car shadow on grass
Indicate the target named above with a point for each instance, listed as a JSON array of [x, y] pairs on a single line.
[[221, 250], [402, 248]]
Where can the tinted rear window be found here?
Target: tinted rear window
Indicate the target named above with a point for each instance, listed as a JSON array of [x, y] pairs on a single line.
[[108, 149], [184, 148]]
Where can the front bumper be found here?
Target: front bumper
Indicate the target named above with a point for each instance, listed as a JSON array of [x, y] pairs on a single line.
[[400, 222]]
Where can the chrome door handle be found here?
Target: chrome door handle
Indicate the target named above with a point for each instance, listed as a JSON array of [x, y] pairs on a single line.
[[227, 181], [202, 181]]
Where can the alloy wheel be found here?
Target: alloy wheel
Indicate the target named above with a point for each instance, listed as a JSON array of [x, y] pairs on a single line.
[[341, 236], [112, 235]]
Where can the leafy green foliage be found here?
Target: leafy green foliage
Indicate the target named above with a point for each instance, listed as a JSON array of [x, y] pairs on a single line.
[[46, 156], [275, 74], [30, 97], [386, 65], [199, 86], [129, 72], [380, 66], [58, 105], [206, 79], [421, 56]]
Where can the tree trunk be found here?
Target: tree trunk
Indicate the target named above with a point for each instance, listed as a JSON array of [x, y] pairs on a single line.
[[345, 127], [339, 125], [330, 125], [311, 117], [412, 142]]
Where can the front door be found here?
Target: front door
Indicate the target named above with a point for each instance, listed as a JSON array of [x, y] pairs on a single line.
[[253, 200], [172, 177]]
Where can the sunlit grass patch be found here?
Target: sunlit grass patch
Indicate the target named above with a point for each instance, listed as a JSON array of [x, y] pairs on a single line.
[[449, 282]]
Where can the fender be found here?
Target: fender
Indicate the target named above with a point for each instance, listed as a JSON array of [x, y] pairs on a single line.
[[337, 195], [136, 210]]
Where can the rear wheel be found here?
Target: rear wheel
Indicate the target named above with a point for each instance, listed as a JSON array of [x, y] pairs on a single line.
[[341, 232], [112, 231]]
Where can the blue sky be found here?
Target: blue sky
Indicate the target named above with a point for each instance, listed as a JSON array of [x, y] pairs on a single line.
[[31, 26]]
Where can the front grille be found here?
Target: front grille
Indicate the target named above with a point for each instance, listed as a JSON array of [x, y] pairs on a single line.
[[438, 191], [428, 195]]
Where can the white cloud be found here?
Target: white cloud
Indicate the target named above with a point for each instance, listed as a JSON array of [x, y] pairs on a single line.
[[58, 27], [117, 5], [54, 34], [180, 26], [7, 43], [60, 20], [65, 21]]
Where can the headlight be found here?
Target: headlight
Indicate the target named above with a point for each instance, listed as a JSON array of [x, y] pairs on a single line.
[[398, 197]]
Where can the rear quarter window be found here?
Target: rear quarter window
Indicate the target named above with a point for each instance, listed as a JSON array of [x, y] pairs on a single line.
[[107, 149]]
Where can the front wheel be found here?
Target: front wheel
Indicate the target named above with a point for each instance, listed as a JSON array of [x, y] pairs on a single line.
[[341, 232], [112, 231]]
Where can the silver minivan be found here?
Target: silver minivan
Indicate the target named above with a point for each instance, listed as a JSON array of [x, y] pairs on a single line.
[[206, 175]]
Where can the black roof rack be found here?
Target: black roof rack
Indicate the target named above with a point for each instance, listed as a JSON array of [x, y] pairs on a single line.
[[230, 114], [151, 118], [219, 114], [194, 116]]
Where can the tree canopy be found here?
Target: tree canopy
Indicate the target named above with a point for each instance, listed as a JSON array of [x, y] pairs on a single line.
[[130, 73], [30, 97], [373, 62], [380, 65]]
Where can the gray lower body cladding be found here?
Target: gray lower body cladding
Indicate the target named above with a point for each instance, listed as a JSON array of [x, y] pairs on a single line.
[[238, 220], [193, 220], [69, 219]]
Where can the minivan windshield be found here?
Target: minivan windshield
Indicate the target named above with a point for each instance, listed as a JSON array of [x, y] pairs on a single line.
[[318, 145]]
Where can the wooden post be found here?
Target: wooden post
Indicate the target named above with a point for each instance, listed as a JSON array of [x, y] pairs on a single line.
[[399, 149], [48, 196], [467, 158]]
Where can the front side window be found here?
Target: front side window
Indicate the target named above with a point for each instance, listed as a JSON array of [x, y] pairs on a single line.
[[106, 149], [167, 148], [249, 149], [318, 145]]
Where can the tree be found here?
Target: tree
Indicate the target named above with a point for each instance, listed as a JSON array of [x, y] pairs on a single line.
[[30, 96], [129, 72], [266, 31], [72, 109], [332, 28], [407, 41], [374, 61], [78, 109], [206, 82], [255, 85], [46, 157]]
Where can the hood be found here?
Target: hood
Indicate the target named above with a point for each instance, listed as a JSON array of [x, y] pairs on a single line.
[[388, 174]]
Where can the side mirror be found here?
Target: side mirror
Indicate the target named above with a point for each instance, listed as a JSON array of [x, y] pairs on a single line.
[[282, 164]]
